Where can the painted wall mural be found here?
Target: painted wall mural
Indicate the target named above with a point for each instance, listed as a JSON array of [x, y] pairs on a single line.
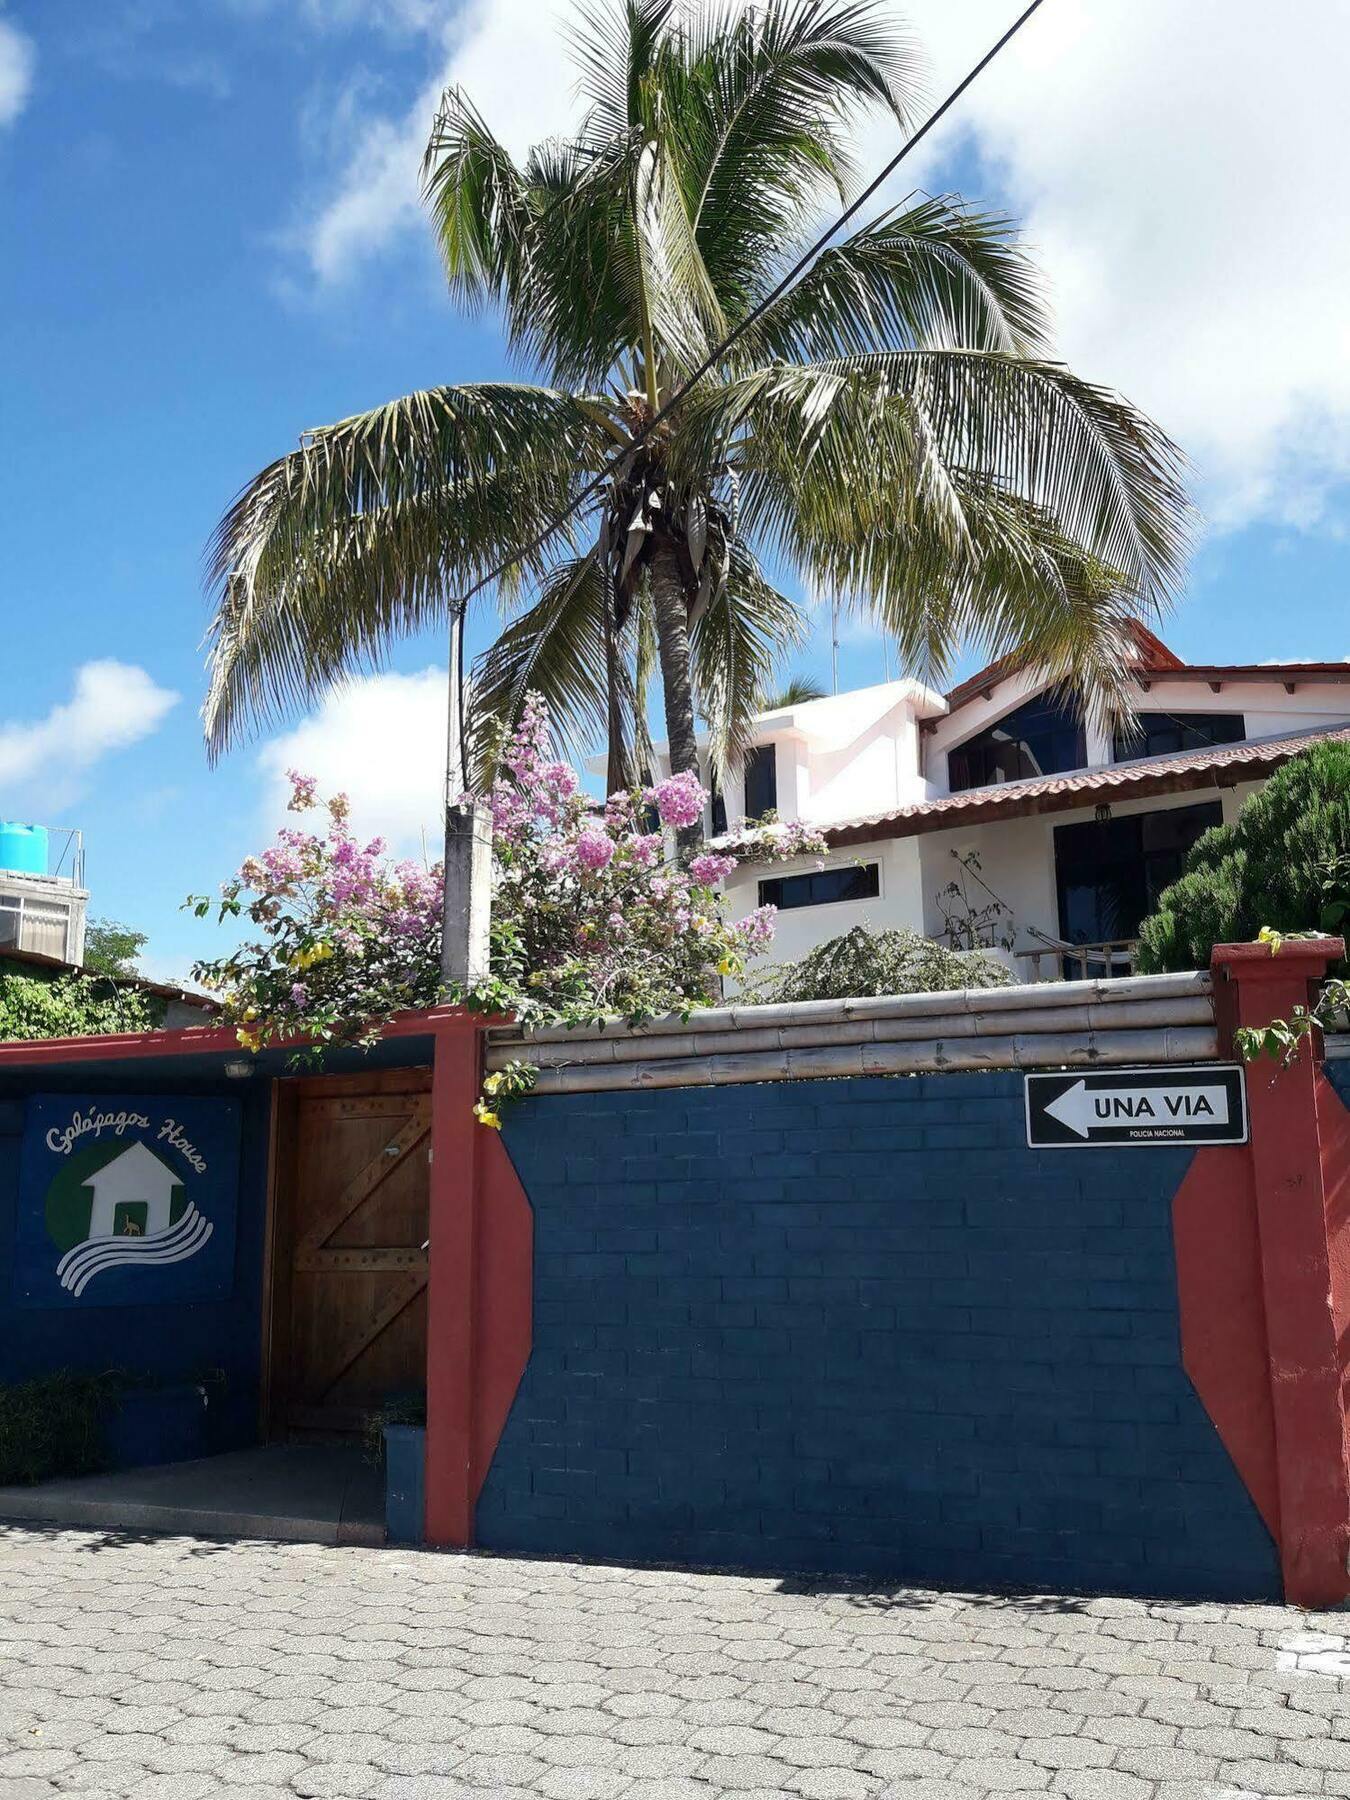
[[126, 1200]]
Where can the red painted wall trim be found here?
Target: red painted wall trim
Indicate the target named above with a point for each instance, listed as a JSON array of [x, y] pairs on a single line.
[[1269, 1240], [1223, 1315], [214, 1040], [479, 1290]]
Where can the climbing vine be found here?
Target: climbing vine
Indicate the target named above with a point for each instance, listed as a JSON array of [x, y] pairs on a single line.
[[72, 1005]]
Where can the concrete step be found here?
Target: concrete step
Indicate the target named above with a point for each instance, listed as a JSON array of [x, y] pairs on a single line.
[[292, 1493]]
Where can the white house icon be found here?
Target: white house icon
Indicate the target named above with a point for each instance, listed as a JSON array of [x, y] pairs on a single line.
[[136, 1177]]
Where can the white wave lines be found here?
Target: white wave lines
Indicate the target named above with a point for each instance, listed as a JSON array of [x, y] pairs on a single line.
[[78, 1267]]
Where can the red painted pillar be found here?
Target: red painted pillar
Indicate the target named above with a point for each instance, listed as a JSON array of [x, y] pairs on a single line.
[[480, 1291], [1303, 1266], [451, 1281]]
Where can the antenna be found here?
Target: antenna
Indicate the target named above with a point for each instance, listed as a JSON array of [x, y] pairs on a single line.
[[834, 640]]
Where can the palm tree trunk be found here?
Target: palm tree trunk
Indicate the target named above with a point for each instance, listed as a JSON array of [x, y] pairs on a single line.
[[618, 775], [670, 608]]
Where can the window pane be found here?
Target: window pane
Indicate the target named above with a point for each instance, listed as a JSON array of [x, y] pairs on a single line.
[[1110, 872], [1168, 734], [1167, 839], [1040, 738], [824, 887], [761, 781], [9, 924]]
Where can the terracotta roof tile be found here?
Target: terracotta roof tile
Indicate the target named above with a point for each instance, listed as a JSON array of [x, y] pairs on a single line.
[[1220, 766]]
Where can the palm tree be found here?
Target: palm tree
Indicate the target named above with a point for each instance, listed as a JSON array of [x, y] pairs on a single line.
[[796, 691], [892, 427]]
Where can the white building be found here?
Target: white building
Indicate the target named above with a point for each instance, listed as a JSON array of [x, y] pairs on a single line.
[[996, 787]]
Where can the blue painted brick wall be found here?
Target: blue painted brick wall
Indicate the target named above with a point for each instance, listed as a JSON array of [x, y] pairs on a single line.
[[857, 1326], [1338, 1068], [171, 1342]]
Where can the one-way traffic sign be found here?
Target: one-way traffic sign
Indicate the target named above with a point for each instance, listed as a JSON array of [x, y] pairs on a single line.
[[1206, 1104]]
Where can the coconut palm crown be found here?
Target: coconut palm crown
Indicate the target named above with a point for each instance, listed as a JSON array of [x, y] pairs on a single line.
[[892, 429]]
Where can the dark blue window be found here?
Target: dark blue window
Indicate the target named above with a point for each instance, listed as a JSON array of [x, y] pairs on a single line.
[[1110, 872], [1041, 738], [761, 782], [823, 887], [1166, 734]]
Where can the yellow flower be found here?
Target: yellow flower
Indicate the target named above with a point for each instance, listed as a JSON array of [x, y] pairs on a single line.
[[492, 1083], [485, 1116], [249, 1039], [249, 1013], [728, 966]]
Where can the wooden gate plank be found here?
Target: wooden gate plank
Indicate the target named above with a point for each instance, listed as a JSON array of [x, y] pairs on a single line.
[[366, 1180], [402, 1296], [351, 1258]]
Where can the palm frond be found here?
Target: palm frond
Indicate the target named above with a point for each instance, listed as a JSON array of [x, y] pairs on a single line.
[[481, 205], [766, 120], [555, 648], [930, 275], [798, 690], [616, 45], [364, 533], [862, 452], [734, 648]]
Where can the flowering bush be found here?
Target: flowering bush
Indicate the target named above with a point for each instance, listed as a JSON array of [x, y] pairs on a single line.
[[590, 916], [349, 937]]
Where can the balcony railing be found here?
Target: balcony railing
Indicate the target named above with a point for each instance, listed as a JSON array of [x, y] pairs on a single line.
[[1080, 962]]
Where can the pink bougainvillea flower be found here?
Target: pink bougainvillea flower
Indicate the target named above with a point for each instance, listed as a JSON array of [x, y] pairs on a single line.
[[679, 800], [710, 868], [756, 929], [594, 849]]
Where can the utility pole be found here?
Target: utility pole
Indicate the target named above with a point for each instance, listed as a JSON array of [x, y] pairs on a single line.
[[834, 640], [468, 842]]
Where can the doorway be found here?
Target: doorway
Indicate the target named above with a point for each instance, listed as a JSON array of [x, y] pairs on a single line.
[[347, 1278], [1110, 872]]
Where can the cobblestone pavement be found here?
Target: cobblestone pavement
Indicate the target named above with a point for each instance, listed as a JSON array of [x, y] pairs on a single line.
[[165, 1669]]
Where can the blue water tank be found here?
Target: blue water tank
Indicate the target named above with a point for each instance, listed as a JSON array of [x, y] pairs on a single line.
[[23, 848]]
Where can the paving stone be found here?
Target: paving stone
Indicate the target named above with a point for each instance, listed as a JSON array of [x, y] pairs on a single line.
[[153, 1672]]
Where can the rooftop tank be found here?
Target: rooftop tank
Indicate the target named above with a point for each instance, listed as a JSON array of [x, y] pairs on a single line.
[[23, 848]]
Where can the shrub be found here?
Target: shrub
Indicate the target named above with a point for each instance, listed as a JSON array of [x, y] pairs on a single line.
[[53, 1424], [1284, 864], [71, 1005], [591, 919], [864, 963]]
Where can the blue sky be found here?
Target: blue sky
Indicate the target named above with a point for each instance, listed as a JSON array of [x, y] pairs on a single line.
[[209, 241]]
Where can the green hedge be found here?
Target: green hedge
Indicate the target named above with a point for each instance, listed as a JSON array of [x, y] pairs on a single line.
[[71, 1005], [1284, 863]]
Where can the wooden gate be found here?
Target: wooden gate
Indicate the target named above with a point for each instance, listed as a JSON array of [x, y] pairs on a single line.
[[348, 1273]]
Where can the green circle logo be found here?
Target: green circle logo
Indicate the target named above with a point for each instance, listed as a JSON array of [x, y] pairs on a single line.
[[70, 1200]]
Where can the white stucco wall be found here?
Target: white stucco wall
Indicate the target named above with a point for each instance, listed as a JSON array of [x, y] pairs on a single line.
[[1017, 861], [800, 929]]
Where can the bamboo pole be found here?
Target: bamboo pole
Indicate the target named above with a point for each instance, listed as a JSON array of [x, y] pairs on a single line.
[[636, 1046], [1037, 1050], [1110, 995]]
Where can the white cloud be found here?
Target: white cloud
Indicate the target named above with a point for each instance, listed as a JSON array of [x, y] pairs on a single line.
[[506, 55], [379, 739], [1178, 167], [113, 705], [17, 61]]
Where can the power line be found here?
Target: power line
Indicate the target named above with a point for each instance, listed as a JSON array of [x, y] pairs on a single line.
[[716, 354]]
